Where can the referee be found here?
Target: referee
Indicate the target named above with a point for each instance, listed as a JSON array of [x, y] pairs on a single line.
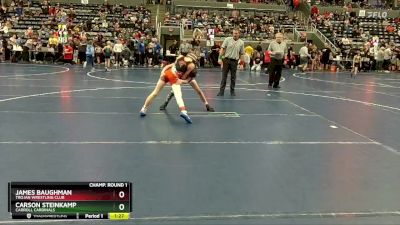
[[278, 51], [231, 51]]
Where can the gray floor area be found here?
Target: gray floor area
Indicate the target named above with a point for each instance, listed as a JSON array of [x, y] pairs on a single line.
[[323, 149]]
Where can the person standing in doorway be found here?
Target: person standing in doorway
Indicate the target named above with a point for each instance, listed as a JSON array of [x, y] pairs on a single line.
[[278, 51], [185, 48], [232, 50]]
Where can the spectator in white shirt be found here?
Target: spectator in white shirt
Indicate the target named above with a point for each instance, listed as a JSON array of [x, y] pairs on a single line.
[[379, 57], [345, 41], [118, 47], [304, 56]]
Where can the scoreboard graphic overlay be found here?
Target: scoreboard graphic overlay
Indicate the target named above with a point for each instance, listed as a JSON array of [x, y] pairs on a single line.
[[70, 200]]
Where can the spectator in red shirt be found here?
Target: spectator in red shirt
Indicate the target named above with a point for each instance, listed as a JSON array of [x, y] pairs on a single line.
[[52, 11], [390, 29], [327, 15], [68, 53], [314, 10], [267, 59]]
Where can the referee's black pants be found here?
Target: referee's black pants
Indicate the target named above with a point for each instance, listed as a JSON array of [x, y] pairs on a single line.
[[275, 72], [228, 65]]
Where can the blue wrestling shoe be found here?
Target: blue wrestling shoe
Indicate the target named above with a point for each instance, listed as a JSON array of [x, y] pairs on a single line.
[[185, 117], [143, 112]]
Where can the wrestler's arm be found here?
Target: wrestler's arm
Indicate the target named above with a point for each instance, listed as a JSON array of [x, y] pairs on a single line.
[[166, 68], [190, 68], [196, 87], [182, 81]]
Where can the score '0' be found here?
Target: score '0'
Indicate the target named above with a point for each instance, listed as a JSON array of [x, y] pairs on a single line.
[[121, 195]]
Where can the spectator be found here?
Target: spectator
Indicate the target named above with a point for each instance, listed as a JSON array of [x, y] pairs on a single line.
[[82, 51], [3, 46], [390, 29], [107, 51], [379, 59], [267, 60], [90, 53], [98, 53], [314, 11], [259, 47], [142, 52], [118, 47], [19, 10], [173, 49], [150, 53], [157, 51], [45, 7], [126, 56], [53, 40], [68, 53], [196, 44], [304, 56], [248, 61], [257, 62], [29, 32], [325, 58], [213, 56], [198, 34], [13, 39], [185, 48], [387, 56]]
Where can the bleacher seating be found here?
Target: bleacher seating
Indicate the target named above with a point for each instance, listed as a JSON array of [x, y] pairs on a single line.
[[371, 27], [254, 26], [35, 17]]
